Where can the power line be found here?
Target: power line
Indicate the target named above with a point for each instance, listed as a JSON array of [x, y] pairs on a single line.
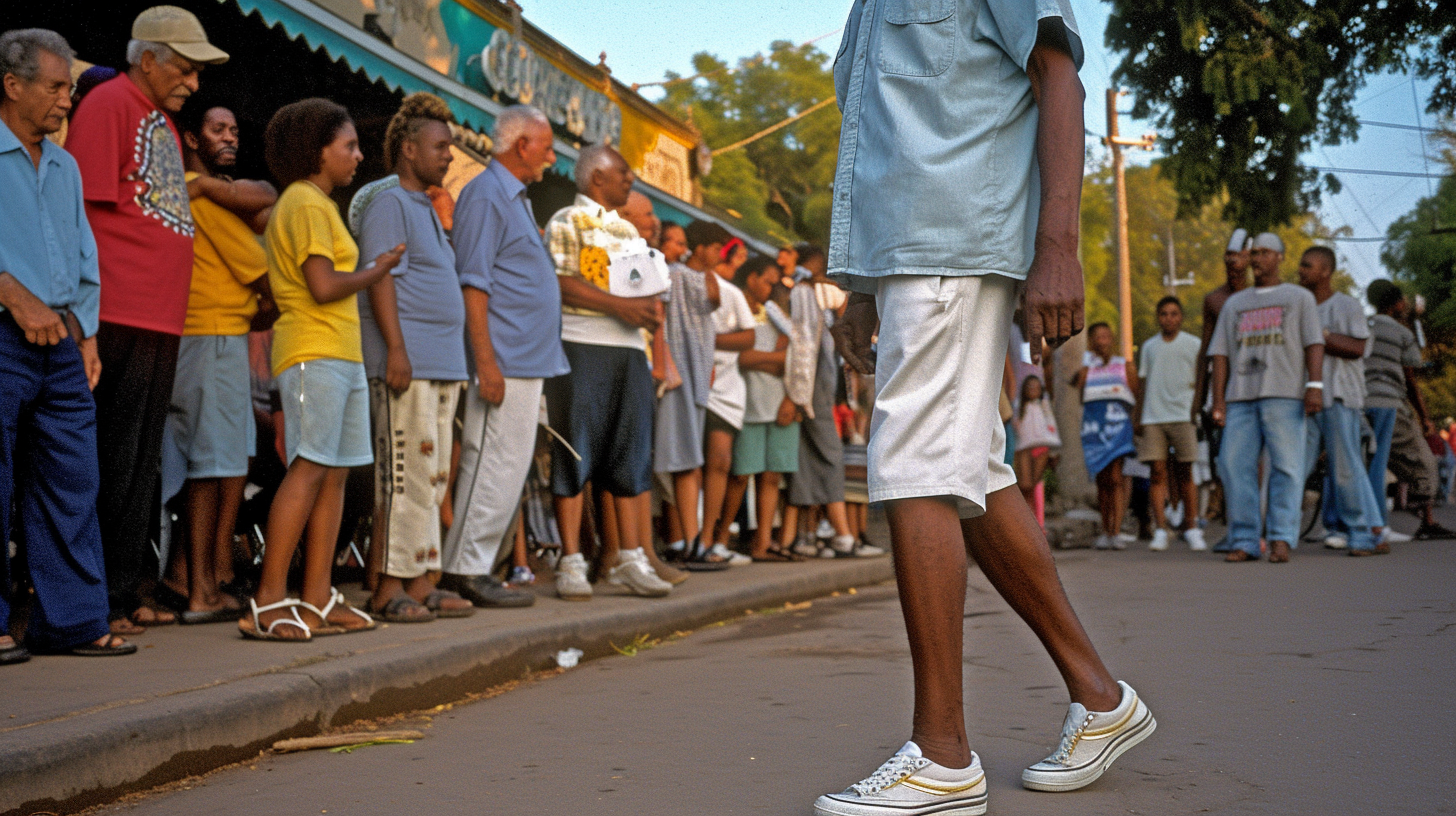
[[771, 128], [1395, 126], [1362, 172]]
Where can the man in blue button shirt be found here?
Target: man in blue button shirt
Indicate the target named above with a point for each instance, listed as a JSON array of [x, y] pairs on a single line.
[[956, 195], [513, 337], [49, 288]]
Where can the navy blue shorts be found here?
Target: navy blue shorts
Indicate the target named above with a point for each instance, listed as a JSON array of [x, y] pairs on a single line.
[[604, 408]]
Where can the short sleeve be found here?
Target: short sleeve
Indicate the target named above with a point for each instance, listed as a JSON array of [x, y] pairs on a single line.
[[1145, 358], [94, 140], [383, 228], [1013, 25], [745, 314], [1311, 333], [1410, 351], [1218, 345], [313, 233], [1353, 318], [561, 242], [235, 243], [478, 232]]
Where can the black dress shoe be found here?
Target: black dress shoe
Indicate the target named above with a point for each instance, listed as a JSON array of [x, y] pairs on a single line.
[[486, 591], [14, 654]]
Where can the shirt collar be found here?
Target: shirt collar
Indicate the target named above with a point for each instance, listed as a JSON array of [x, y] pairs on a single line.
[[512, 185], [9, 141], [587, 202]]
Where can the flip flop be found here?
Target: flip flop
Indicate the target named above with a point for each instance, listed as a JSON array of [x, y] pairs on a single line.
[[157, 614], [435, 602], [697, 558], [109, 647], [401, 609]]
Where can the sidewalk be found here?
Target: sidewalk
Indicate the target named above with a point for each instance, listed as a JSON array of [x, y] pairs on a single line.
[[75, 732]]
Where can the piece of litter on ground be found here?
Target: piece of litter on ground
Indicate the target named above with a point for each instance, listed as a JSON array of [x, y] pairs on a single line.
[[568, 658], [349, 749], [352, 738]]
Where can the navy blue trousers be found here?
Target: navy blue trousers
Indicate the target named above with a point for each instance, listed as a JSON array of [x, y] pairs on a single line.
[[49, 473]]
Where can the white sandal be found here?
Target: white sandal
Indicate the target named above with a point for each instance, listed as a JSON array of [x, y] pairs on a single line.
[[258, 632], [336, 598]]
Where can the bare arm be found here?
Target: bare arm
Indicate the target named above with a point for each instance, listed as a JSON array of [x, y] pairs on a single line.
[[477, 333], [1344, 346], [1220, 384], [1200, 374], [244, 198], [328, 284], [385, 306], [1314, 366], [1053, 295], [638, 311], [735, 341], [42, 324]]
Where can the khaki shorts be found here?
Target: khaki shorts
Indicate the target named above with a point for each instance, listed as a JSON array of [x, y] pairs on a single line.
[[1153, 444], [936, 430]]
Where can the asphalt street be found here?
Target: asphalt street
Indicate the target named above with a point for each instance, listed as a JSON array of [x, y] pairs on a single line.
[[1322, 686]]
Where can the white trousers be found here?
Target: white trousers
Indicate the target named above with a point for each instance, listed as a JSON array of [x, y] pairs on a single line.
[[495, 456]]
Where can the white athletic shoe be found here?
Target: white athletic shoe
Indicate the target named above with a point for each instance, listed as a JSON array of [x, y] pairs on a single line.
[[1121, 540], [1335, 541], [736, 559], [1160, 540], [825, 530], [807, 546], [1090, 742], [571, 582], [1194, 537], [1391, 536], [908, 784], [635, 573], [1102, 542]]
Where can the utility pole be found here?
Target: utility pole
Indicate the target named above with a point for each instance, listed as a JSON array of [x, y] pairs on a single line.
[[1119, 189]]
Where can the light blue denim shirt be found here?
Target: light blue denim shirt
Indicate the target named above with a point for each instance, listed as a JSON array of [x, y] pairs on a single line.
[[937, 166], [45, 240]]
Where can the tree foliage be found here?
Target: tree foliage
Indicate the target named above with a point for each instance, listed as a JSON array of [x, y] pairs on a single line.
[[1198, 244], [1420, 249], [1241, 89], [780, 184]]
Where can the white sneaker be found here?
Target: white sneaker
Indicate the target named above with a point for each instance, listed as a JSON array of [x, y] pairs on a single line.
[[908, 784], [1335, 541], [571, 582], [1102, 542], [634, 573], [1124, 539], [1160, 540], [1090, 742], [864, 549], [1392, 537], [825, 530], [736, 559], [809, 548], [1194, 537]]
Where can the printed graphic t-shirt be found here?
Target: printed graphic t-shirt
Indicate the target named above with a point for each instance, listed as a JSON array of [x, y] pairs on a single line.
[[136, 200], [306, 222], [1263, 332], [227, 256]]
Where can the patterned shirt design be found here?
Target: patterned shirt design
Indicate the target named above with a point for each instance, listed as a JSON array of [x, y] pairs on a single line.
[[160, 175]]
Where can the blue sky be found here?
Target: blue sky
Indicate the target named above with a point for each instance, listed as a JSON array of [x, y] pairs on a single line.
[[645, 38]]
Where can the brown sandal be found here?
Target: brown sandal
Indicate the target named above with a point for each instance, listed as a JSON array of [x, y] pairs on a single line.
[[1235, 556], [1279, 552]]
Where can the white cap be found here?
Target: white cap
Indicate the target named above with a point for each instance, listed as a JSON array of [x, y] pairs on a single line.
[[1239, 241], [1268, 240]]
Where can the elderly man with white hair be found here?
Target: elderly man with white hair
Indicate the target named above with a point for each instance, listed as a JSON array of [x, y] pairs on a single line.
[[135, 188], [513, 342]]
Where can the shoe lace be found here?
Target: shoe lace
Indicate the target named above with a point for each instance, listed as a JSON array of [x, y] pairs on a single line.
[[1070, 740], [895, 769]]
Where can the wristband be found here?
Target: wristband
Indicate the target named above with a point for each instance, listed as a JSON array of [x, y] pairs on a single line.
[[1315, 384]]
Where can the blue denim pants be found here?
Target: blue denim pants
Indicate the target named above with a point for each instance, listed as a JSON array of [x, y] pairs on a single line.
[[1347, 494], [1382, 424], [1277, 424]]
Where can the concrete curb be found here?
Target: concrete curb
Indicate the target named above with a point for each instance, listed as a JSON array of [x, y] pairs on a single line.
[[70, 764]]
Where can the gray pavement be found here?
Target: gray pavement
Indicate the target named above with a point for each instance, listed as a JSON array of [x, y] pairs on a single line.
[[1317, 687]]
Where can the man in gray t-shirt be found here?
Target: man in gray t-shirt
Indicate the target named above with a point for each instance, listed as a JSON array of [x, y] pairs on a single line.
[[1350, 510], [1268, 341]]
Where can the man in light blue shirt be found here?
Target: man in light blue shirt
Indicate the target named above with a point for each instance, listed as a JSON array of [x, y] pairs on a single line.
[[49, 287], [513, 336], [955, 197]]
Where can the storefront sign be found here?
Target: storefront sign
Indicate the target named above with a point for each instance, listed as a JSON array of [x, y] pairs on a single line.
[[516, 71]]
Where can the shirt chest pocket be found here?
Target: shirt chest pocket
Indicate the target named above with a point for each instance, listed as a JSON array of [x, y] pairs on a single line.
[[918, 37]]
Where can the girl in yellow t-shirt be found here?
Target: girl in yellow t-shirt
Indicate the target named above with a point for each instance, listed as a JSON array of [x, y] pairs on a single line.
[[312, 149]]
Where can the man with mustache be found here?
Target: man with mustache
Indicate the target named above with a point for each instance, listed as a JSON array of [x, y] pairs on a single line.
[[136, 200], [210, 422]]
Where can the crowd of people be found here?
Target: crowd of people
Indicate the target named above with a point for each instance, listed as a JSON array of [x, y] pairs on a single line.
[[167, 326], [1290, 385]]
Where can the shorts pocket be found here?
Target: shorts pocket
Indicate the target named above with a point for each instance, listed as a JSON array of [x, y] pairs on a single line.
[[918, 37]]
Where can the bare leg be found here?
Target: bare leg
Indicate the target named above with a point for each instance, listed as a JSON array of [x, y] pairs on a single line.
[[930, 564], [568, 521], [838, 517], [1024, 480], [287, 517], [1107, 499], [768, 499], [732, 501], [318, 553], [203, 496], [790, 529], [229, 504], [719, 459], [1183, 478], [628, 509], [686, 487], [1158, 493], [608, 528]]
